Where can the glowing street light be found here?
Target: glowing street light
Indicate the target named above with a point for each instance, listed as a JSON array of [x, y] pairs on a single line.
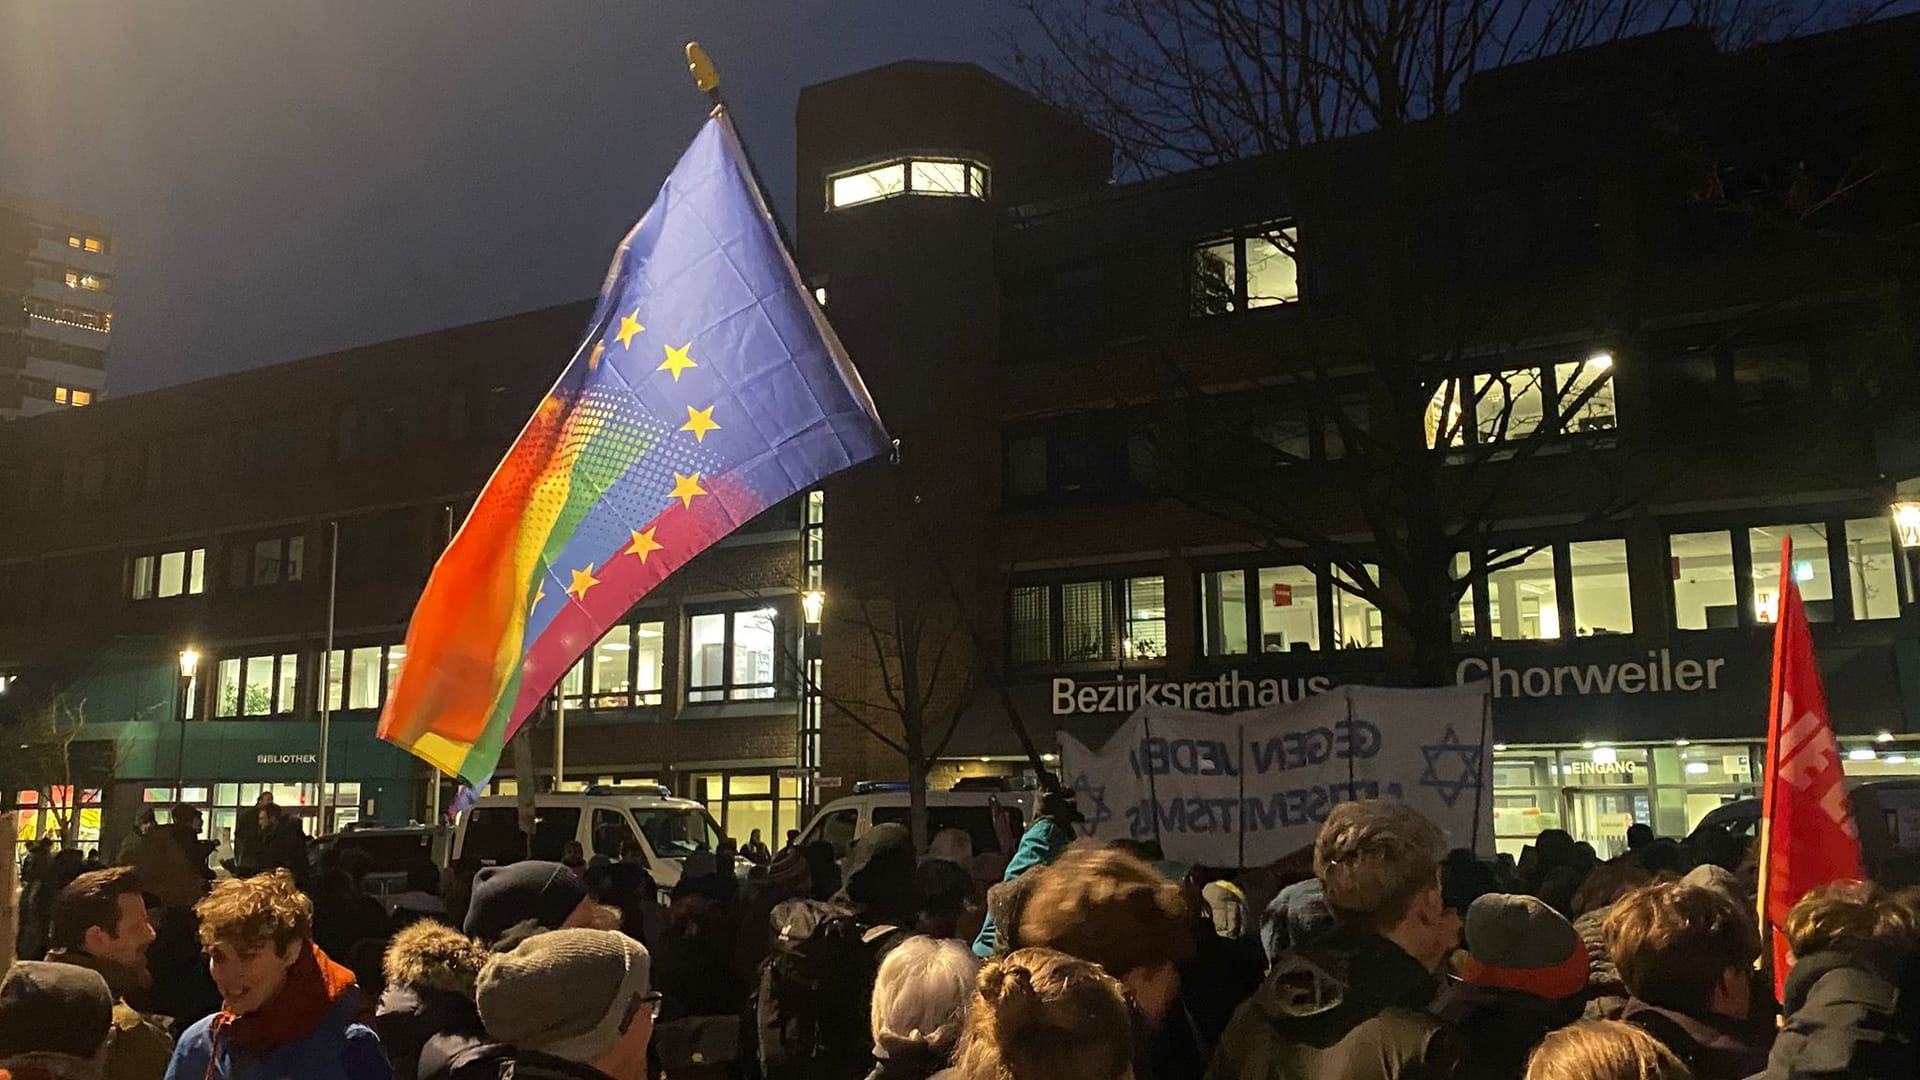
[[812, 603]]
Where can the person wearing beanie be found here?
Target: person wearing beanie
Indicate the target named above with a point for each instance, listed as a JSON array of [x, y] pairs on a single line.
[[574, 1004], [545, 893], [1525, 975], [54, 1021], [1353, 1004], [287, 1010]]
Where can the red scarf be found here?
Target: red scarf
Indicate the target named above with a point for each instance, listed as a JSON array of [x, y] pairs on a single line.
[[314, 985]]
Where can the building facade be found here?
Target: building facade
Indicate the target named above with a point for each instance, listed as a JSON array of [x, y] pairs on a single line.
[[56, 307], [234, 517], [1159, 431]]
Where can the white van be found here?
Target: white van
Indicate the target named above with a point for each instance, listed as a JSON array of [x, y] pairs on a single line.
[[611, 821], [968, 807]]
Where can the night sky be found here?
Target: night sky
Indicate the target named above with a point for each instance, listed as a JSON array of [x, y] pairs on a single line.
[[285, 179]]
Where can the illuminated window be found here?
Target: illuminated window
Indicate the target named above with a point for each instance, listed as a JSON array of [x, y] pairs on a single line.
[[1812, 570], [1283, 611], [263, 685], [625, 668], [1705, 595], [81, 398], [1492, 407], [907, 176], [1602, 601], [1522, 601], [1872, 556], [168, 574], [1255, 268], [73, 280], [733, 655], [74, 241], [95, 244], [60, 395], [357, 678], [1101, 621]]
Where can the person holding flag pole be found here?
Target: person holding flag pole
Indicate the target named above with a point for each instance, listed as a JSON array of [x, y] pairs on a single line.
[[1807, 833], [707, 387]]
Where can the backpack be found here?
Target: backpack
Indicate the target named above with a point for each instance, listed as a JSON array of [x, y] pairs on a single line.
[[814, 991]]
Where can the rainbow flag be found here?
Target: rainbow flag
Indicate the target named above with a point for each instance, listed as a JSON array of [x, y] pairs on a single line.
[[707, 388]]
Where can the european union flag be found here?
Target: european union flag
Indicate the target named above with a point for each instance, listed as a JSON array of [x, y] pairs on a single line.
[[708, 387]]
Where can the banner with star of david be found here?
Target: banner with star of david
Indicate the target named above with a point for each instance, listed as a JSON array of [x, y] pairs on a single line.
[[1249, 788]]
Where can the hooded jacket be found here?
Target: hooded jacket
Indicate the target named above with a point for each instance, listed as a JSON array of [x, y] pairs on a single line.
[[1714, 1047], [1850, 1015], [881, 885], [138, 1046], [1042, 843], [1350, 1006], [427, 1012]]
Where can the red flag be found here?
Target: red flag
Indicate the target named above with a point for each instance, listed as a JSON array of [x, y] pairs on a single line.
[[1807, 835]]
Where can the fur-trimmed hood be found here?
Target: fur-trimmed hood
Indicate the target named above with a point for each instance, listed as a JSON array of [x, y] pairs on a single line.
[[430, 955]]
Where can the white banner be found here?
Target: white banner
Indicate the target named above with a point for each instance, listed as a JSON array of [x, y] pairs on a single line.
[[1250, 788]]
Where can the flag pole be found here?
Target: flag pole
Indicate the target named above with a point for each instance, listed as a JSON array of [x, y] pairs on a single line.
[[1773, 753], [707, 78]]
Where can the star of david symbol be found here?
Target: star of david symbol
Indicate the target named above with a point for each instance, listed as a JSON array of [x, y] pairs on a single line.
[[1093, 803], [1441, 755]]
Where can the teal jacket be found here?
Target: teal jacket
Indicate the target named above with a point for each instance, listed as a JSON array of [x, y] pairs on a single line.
[[1042, 843]]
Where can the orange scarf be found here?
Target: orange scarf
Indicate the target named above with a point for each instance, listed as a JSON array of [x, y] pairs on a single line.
[[314, 985]]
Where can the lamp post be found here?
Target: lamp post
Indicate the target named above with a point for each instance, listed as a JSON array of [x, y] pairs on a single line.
[[813, 603], [189, 661]]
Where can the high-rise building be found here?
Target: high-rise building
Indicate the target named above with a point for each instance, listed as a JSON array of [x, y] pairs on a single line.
[[56, 307]]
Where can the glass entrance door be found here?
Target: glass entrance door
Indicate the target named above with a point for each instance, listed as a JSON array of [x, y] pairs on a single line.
[[1600, 816]]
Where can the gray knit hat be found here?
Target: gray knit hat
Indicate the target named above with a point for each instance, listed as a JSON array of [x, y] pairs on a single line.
[[1519, 943], [564, 992]]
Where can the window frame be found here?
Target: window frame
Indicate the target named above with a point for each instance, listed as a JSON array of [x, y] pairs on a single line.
[[153, 557], [277, 709], [1237, 303], [1844, 607], [1117, 617], [728, 691], [1566, 610], [388, 660], [976, 175], [590, 695], [1326, 593], [1466, 425], [248, 544]]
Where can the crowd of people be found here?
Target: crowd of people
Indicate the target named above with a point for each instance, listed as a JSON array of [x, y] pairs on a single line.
[[1374, 955]]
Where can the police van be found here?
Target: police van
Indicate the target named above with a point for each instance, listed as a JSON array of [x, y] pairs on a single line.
[[968, 807], [642, 821]]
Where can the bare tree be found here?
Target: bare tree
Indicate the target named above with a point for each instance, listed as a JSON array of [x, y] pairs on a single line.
[[1450, 387], [53, 759], [913, 661]]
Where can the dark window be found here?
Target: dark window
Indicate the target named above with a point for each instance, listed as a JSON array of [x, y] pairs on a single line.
[[494, 836], [837, 829], [612, 836], [1771, 378], [268, 560], [677, 832], [975, 821], [1030, 633]]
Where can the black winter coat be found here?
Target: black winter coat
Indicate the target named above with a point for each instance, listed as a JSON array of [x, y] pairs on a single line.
[[1854, 1015], [427, 1022], [1714, 1047], [1499, 1027]]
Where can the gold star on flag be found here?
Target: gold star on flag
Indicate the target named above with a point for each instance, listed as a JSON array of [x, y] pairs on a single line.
[[677, 361], [539, 594], [700, 421], [685, 488], [629, 326], [593, 358], [582, 581], [643, 544]]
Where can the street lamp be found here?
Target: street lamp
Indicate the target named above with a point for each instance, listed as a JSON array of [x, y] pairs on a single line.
[[812, 603], [189, 660]]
